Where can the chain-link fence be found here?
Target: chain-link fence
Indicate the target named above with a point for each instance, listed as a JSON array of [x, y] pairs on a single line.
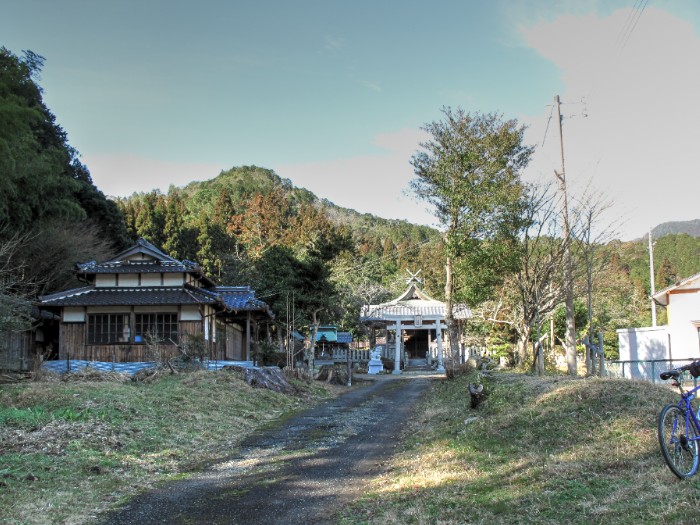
[[648, 370]]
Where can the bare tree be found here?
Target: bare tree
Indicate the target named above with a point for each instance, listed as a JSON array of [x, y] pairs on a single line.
[[590, 210], [535, 290], [16, 289], [51, 251]]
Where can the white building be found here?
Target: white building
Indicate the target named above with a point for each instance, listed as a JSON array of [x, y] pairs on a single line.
[[679, 340], [682, 301]]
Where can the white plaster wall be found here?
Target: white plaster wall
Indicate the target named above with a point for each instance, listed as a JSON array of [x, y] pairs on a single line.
[[173, 279], [683, 309], [641, 344], [150, 279], [72, 314], [128, 279], [102, 280], [190, 313]]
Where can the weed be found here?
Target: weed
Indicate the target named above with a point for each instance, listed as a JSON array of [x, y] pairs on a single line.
[[538, 450], [71, 450]]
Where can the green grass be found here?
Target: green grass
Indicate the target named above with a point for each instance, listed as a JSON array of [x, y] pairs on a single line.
[[541, 450], [70, 450]]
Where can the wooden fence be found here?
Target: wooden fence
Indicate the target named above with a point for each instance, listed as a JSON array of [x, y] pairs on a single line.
[[15, 350]]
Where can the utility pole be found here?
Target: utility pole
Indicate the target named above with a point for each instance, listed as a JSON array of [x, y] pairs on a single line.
[[651, 280], [570, 339]]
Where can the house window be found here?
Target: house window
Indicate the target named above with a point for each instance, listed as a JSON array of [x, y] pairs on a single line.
[[108, 328], [160, 327]]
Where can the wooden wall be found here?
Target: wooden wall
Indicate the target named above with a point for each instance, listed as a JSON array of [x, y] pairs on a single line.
[[16, 351], [229, 345], [72, 345]]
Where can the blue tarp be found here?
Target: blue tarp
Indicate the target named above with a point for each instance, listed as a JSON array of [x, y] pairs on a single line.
[[61, 367]]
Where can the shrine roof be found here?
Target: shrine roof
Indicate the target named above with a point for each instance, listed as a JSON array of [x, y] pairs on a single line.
[[413, 302]]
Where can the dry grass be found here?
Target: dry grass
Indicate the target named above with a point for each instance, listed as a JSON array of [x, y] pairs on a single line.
[[540, 450], [71, 449]]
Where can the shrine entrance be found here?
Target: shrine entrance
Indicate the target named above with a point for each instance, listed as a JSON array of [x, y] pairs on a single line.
[[413, 325], [416, 343]]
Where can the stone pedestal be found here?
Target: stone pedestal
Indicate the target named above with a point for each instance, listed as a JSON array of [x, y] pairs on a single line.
[[375, 365]]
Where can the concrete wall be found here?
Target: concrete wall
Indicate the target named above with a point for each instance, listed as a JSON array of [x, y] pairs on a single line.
[[643, 344], [684, 318]]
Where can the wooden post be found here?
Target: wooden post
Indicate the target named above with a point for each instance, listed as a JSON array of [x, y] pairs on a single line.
[[429, 355], [247, 337], [397, 348], [540, 358], [601, 355]]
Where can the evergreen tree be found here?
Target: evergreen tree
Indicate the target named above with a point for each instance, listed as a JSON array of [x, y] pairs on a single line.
[[41, 177], [469, 170]]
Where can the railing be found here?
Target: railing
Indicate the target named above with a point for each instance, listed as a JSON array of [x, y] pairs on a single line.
[[341, 354], [644, 370]]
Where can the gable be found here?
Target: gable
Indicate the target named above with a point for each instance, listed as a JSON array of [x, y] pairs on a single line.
[[689, 285]]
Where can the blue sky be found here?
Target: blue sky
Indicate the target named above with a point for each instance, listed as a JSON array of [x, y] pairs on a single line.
[[332, 94]]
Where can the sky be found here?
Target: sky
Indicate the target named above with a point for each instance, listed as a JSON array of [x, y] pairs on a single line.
[[333, 94]]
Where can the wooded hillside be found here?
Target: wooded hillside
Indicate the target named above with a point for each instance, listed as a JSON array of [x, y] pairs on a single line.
[[248, 226]]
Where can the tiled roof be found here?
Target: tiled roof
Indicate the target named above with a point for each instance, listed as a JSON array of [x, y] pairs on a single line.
[[120, 296], [93, 267], [344, 337], [154, 261], [240, 298], [232, 298], [411, 303], [412, 308]]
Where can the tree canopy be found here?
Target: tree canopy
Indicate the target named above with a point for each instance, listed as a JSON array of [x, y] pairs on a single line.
[[44, 188], [469, 171]]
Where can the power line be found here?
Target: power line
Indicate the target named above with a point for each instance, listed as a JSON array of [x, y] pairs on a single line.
[[546, 129], [631, 23]]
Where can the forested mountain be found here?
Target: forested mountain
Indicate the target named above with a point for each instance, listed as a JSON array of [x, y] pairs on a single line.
[[691, 228], [249, 226], [50, 210]]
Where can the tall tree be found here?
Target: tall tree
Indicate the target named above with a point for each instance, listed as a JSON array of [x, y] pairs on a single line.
[[41, 176], [470, 172]]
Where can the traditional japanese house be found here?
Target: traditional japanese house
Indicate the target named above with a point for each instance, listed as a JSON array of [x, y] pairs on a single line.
[[143, 297]]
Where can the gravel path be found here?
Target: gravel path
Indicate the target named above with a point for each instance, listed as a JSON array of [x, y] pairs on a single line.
[[299, 473]]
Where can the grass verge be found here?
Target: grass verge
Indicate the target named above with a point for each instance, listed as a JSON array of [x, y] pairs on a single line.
[[540, 450], [70, 450]]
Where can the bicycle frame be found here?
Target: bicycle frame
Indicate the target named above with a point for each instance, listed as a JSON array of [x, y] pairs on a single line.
[[684, 404]]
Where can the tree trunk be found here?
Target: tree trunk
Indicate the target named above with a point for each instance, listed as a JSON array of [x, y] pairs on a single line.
[[271, 378], [523, 341], [312, 342], [450, 322]]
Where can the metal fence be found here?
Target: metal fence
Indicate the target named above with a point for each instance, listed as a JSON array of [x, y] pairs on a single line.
[[647, 370]]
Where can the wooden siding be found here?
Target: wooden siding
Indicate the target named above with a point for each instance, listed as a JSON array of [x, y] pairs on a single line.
[[234, 344], [16, 351], [71, 341], [72, 345], [230, 344]]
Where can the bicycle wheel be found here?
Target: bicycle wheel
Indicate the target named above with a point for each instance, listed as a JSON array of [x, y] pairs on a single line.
[[678, 447]]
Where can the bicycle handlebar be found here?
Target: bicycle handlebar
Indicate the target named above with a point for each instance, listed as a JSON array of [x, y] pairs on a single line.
[[676, 372]]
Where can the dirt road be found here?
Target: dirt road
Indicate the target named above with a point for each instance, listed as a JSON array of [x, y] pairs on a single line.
[[301, 472]]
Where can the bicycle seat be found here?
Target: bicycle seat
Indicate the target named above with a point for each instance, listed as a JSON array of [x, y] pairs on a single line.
[[668, 374]]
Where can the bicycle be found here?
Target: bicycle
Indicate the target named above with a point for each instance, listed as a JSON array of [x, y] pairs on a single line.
[[679, 428]]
